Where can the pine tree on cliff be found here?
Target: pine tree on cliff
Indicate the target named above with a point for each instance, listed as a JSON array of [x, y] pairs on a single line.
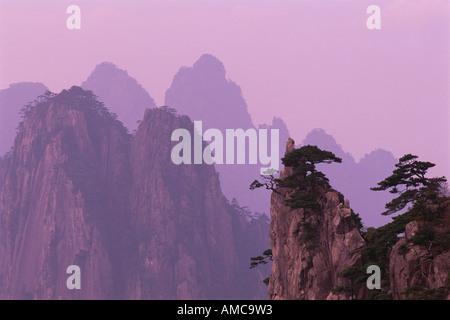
[[306, 180], [425, 200], [409, 182]]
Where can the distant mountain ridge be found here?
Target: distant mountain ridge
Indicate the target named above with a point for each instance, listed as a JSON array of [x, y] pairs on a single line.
[[12, 100], [354, 179], [204, 93], [122, 94]]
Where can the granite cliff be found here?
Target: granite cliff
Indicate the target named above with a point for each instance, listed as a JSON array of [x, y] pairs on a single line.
[[417, 270], [324, 253], [77, 189], [310, 250]]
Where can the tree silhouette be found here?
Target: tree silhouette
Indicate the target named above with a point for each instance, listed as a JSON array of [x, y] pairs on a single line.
[[409, 182], [304, 179]]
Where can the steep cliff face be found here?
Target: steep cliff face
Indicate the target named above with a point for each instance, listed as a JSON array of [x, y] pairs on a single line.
[[322, 252], [79, 190], [184, 233], [310, 250], [418, 271], [54, 209]]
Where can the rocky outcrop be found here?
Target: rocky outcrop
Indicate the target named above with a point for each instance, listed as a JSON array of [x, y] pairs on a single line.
[[322, 252], [184, 233], [310, 250], [79, 190], [54, 207], [413, 268]]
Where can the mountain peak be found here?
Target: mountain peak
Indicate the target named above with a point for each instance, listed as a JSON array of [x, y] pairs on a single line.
[[107, 64], [322, 139], [211, 65], [120, 92], [321, 135], [202, 92], [107, 68], [379, 153], [32, 85]]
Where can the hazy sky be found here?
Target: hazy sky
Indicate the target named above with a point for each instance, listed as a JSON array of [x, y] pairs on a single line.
[[312, 63]]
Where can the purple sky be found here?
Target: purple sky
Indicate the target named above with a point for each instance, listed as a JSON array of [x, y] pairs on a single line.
[[313, 63]]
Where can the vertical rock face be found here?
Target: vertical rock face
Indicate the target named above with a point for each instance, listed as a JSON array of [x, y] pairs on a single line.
[[186, 238], [79, 190], [321, 254], [310, 250], [417, 268], [54, 207], [184, 233]]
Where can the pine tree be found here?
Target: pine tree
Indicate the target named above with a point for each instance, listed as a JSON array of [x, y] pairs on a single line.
[[409, 182]]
